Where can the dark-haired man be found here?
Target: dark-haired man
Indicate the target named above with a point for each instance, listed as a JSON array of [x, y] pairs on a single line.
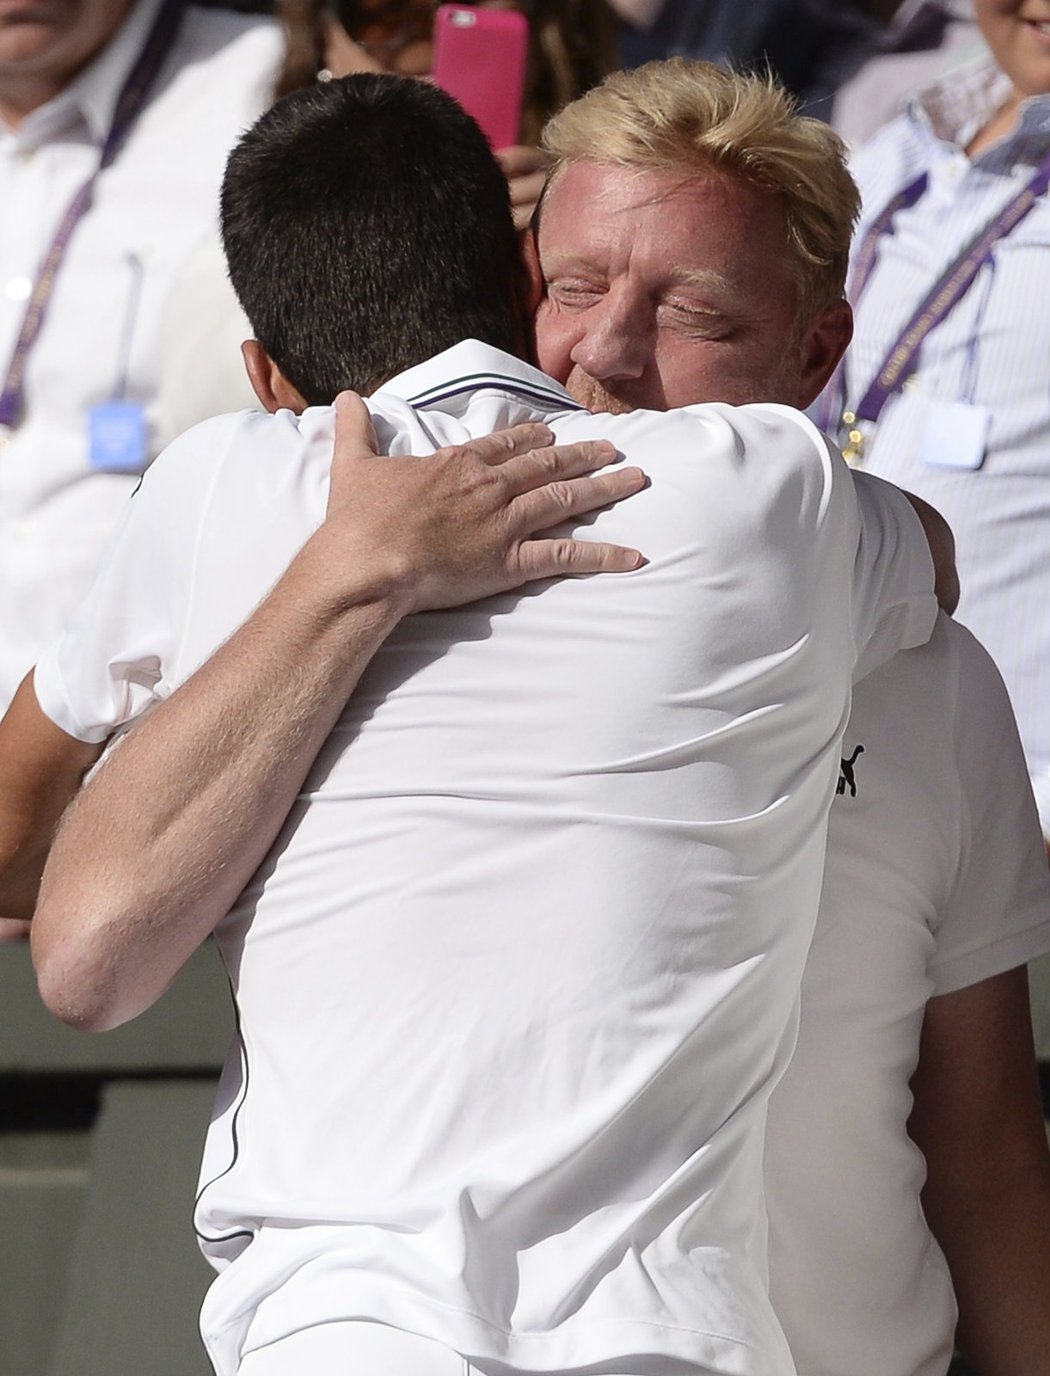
[[504, 1055]]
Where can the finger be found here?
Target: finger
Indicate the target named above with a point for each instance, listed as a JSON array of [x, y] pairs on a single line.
[[555, 558], [354, 432], [541, 467], [525, 190], [503, 445], [522, 160], [549, 506]]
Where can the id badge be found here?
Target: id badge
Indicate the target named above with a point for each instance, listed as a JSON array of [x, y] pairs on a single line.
[[954, 434], [117, 437]]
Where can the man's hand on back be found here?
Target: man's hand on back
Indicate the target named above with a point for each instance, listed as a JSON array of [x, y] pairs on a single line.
[[468, 521]]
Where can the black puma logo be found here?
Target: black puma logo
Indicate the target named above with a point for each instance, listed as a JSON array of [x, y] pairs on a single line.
[[846, 779]]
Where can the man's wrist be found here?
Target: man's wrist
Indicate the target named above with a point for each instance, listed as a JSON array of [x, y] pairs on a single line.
[[343, 579]]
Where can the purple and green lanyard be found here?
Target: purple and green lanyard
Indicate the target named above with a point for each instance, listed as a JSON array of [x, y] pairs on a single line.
[[936, 305]]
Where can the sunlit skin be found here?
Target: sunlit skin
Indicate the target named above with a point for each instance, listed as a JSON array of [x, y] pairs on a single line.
[[1018, 33], [662, 290], [44, 44]]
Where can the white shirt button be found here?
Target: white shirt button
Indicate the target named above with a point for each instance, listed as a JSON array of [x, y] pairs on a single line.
[[18, 288]]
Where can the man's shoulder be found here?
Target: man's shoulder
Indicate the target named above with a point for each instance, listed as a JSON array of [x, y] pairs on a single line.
[[218, 28], [245, 49], [695, 428], [233, 441], [884, 163], [954, 678]]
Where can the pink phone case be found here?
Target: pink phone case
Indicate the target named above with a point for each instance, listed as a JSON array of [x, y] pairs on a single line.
[[479, 57]]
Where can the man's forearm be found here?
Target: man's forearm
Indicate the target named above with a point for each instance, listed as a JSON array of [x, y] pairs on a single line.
[[173, 825], [999, 1271], [987, 1196]]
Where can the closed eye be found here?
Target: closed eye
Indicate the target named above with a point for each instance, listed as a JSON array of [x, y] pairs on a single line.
[[574, 294], [701, 320]]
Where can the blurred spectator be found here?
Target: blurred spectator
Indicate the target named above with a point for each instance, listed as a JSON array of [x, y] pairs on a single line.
[[571, 46], [949, 396], [115, 120], [918, 45], [91, 262], [849, 63]]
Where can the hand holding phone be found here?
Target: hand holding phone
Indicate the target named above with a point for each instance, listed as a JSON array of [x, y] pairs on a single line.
[[479, 57]]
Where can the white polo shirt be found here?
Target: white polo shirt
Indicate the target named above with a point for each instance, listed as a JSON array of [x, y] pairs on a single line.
[[935, 879], [102, 339], [519, 973]]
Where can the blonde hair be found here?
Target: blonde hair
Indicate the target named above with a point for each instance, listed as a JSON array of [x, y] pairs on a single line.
[[686, 115]]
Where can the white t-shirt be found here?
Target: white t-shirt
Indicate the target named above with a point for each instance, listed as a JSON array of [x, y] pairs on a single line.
[[519, 973], [101, 338], [935, 879]]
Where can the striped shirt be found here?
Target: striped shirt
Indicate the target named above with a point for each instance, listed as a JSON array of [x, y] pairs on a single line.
[[992, 352]]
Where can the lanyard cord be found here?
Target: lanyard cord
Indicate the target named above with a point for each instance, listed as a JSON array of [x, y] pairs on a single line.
[[945, 294]]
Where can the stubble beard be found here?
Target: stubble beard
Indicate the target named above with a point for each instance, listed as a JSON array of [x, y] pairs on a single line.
[[590, 393]]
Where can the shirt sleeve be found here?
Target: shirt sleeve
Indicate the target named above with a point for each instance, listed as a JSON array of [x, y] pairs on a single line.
[[894, 605], [112, 660], [998, 915]]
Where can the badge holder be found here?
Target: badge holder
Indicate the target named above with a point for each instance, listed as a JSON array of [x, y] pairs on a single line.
[[117, 429]]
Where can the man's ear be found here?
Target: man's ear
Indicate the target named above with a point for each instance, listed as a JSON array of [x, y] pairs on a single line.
[[270, 385], [825, 340]]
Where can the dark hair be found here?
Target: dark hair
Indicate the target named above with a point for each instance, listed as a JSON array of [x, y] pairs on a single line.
[[367, 227]]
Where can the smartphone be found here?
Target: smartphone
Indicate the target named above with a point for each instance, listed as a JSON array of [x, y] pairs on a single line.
[[479, 57]]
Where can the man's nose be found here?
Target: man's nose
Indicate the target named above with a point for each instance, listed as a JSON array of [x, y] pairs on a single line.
[[613, 341]]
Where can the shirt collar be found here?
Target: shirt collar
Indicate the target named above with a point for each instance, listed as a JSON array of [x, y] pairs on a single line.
[[471, 367], [94, 93], [953, 110]]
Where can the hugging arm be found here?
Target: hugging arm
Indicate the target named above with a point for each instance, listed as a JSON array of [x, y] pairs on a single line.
[[942, 550]]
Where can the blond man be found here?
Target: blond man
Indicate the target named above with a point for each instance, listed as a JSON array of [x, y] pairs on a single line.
[[664, 286]]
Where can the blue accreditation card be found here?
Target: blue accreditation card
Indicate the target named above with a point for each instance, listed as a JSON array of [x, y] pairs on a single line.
[[117, 437], [954, 434]]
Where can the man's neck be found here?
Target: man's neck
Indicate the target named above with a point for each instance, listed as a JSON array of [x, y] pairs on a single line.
[[21, 95], [1002, 123]]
